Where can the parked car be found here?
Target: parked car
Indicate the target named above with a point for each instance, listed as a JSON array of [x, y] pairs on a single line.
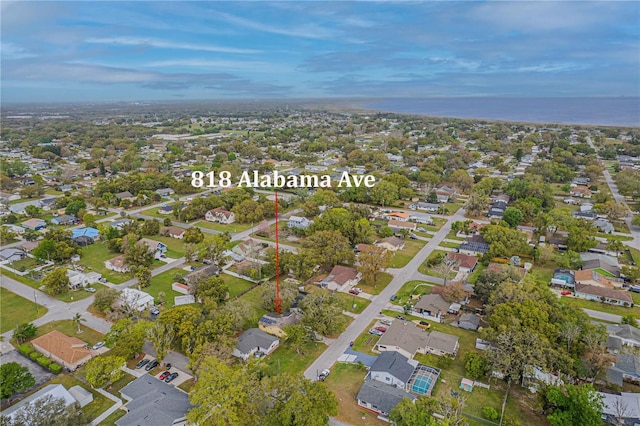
[[164, 375], [170, 377], [413, 236], [206, 262], [424, 324], [382, 329], [168, 366], [401, 318], [393, 297], [151, 365], [90, 289], [386, 322], [323, 374], [97, 346], [154, 311], [358, 289], [102, 280], [354, 291], [565, 292], [142, 363], [259, 355], [421, 230], [376, 332]]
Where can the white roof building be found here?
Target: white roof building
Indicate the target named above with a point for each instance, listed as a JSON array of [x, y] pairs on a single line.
[[136, 298]]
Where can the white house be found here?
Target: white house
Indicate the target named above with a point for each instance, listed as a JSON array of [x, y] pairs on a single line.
[[136, 299], [220, 215], [117, 264], [80, 279], [340, 278], [299, 222]]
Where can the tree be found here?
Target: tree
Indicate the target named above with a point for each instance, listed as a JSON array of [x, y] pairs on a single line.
[[580, 239], [150, 227], [77, 319], [74, 207], [143, 274], [613, 210], [288, 293], [474, 365], [373, 262], [421, 411], [461, 180], [161, 336], [44, 249], [211, 290], [476, 204], [630, 319], [297, 336], [49, 411], [191, 252], [328, 248], [512, 216], [104, 299], [214, 248], [570, 331], [615, 246], [446, 269], [636, 220], [631, 272], [24, 332], [32, 211], [574, 405], [14, 378], [322, 313], [454, 292], [57, 281], [104, 370], [136, 254], [126, 337], [193, 236], [384, 193]]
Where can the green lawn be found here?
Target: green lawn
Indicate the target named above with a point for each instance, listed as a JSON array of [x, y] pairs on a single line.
[[163, 282], [473, 277], [113, 418], [231, 228], [425, 269], [67, 327], [447, 244], [635, 253], [599, 306], [382, 280], [286, 359], [541, 275], [410, 288], [349, 300], [604, 273], [453, 207], [65, 297], [154, 212], [236, 285], [345, 381], [254, 299], [24, 264], [614, 237], [96, 407], [15, 309], [365, 342], [94, 256], [438, 224], [400, 258], [114, 388], [452, 236]]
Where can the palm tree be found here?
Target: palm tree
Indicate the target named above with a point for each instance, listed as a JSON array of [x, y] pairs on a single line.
[[77, 319]]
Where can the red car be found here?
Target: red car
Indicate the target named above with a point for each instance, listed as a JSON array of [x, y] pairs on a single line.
[[164, 375], [354, 291], [565, 293], [382, 329]]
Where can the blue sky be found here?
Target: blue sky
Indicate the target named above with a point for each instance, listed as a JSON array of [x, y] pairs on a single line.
[[99, 51]]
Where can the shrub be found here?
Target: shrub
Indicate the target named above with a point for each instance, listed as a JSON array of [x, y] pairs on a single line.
[[55, 368], [490, 413], [34, 355], [44, 361], [25, 349]]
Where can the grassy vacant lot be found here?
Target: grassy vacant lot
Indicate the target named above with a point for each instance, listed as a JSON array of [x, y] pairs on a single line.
[[67, 327], [438, 224], [24, 264], [94, 256], [15, 309], [162, 282], [345, 381], [154, 212], [400, 258], [383, 279], [407, 289], [236, 285], [425, 269], [231, 228], [96, 407], [541, 274], [599, 306], [453, 207], [286, 359]]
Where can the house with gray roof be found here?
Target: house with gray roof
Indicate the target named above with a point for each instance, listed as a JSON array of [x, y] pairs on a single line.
[[469, 321], [392, 368], [622, 335], [621, 409], [153, 402], [255, 340], [52, 391], [380, 397], [626, 368]]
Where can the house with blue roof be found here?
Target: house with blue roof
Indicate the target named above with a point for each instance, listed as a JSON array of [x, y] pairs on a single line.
[[89, 232]]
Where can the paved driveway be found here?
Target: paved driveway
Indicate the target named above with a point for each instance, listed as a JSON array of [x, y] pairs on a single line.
[[41, 374]]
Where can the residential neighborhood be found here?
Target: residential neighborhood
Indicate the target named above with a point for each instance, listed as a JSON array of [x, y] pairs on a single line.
[[126, 289]]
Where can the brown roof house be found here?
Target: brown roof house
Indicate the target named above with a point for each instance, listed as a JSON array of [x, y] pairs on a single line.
[[602, 294], [397, 225], [390, 243], [275, 323], [69, 352], [173, 232], [341, 278], [432, 307], [593, 278], [117, 264], [464, 262], [406, 338]]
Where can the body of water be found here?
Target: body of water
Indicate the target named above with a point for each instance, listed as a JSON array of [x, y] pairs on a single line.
[[623, 111]]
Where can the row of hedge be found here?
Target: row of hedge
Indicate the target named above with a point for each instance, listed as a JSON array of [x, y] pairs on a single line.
[[27, 350]]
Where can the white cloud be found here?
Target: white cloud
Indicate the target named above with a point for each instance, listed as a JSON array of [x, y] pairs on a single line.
[[162, 44]]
